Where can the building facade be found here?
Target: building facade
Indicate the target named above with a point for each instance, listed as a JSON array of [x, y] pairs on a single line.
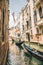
[[32, 21], [11, 34], [4, 24], [36, 27], [26, 22], [38, 19], [17, 27]]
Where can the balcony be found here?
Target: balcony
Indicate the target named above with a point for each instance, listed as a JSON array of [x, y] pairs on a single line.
[[40, 22], [38, 18], [36, 3]]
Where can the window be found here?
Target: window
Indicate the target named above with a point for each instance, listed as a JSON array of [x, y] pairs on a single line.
[[29, 9], [23, 27], [30, 22], [35, 13], [26, 36], [27, 24], [18, 34], [37, 30], [40, 12], [31, 35], [31, 32], [35, 17]]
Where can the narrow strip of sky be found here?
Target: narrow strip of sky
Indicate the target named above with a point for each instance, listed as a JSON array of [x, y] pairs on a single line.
[[16, 5]]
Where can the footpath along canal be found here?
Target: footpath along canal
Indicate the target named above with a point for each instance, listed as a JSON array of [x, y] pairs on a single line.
[[18, 56]]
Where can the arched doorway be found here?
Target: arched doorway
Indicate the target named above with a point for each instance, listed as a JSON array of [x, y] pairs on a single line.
[[28, 36], [40, 12]]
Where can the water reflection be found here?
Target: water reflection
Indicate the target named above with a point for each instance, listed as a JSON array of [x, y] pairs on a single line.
[[18, 56]]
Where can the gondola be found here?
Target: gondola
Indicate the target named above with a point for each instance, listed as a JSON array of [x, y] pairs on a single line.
[[19, 43], [37, 54]]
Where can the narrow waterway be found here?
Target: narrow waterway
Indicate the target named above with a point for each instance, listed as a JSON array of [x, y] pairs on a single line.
[[18, 56]]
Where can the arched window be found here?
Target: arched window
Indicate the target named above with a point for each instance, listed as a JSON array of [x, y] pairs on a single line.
[[23, 27], [35, 17], [27, 24], [40, 12], [37, 30]]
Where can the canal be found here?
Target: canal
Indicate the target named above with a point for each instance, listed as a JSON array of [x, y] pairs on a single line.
[[17, 55]]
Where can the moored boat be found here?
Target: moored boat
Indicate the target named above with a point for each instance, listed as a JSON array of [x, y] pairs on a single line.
[[37, 54], [19, 43]]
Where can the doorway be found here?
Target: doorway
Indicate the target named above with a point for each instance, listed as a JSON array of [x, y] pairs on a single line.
[[28, 36]]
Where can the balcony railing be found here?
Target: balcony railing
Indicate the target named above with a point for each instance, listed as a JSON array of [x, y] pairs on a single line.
[[35, 17], [40, 21]]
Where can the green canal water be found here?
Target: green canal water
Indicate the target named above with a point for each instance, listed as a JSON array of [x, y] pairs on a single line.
[[21, 57]]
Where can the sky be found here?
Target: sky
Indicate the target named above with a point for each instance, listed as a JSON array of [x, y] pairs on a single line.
[[15, 6]]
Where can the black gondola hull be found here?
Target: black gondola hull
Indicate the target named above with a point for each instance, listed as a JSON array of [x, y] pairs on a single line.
[[19, 43], [38, 56]]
